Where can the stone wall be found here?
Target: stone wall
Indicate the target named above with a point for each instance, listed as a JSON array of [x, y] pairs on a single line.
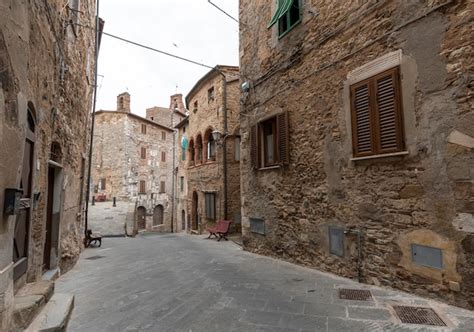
[[46, 64], [424, 197], [208, 175]]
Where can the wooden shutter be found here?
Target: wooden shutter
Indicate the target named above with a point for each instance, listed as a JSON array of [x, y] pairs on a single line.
[[254, 147], [163, 156], [388, 112], [162, 186], [283, 139], [143, 153], [362, 122], [142, 186]]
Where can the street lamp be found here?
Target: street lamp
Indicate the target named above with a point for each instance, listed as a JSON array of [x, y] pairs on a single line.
[[216, 135]]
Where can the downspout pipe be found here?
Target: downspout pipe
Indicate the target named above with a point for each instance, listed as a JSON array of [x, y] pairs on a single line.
[[224, 146], [89, 168], [174, 173]]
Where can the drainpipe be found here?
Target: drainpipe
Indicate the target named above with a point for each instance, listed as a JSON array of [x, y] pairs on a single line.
[[224, 143], [359, 251], [96, 55]]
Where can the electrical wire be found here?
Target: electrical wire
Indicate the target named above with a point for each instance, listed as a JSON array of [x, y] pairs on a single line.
[[222, 10], [157, 50]]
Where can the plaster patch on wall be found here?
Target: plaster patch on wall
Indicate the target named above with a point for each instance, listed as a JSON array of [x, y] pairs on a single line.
[[456, 137], [464, 222], [429, 238]]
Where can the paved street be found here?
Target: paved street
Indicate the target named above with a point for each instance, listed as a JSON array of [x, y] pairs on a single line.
[[107, 219], [186, 283]]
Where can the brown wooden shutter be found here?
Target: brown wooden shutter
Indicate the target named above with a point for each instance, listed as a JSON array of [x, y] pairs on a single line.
[[162, 186], [388, 112], [283, 138], [253, 146], [163, 156], [142, 186], [362, 122], [143, 153]]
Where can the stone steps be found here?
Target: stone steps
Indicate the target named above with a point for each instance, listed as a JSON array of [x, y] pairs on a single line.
[[29, 301], [55, 315]]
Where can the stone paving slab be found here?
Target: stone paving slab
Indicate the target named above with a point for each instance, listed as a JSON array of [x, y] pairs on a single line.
[[108, 220], [186, 283]]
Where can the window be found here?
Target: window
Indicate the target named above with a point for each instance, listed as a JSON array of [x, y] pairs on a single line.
[[270, 142], [237, 148], [210, 94], [143, 153], [287, 15], [195, 106], [181, 183], [163, 135], [199, 149], [210, 200], [102, 184], [211, 146], [162, 186], [142, 188], [151, 118], [191, 152], [143, 128], [376, 115], [163, 156]]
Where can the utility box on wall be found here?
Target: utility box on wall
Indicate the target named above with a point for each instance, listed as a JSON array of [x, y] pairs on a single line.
[[12, 201]]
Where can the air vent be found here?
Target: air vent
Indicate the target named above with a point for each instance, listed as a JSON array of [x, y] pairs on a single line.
[[418, 315], [355, 294]]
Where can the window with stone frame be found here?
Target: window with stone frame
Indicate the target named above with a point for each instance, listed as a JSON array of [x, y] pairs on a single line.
[[211, 146], [210, 203], [376, 115], [269, 146], [143, 153], [181, 183], [195, 106], [162, 187], [163, 156], [210, 94], [286, 16], [192, 153], [142, 187], [102, 183], [143, 128]]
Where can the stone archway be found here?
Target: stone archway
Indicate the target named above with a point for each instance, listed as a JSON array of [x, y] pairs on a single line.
[[158, 212], [141, 217]]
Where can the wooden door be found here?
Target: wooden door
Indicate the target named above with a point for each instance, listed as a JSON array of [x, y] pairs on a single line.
[[141, 217], [158, 215], [195, 217], [22, 222]]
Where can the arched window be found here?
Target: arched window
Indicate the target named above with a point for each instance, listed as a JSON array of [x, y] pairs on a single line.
[[191, 152], [56, 153], [211, 145], [199, 149]]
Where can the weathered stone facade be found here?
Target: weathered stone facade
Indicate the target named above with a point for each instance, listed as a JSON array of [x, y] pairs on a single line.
[[132, 161], [183, 219], [46, 84], [205, 166], [422, 195]]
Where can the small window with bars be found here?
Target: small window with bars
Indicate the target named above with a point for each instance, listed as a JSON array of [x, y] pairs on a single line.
[[376, 115]]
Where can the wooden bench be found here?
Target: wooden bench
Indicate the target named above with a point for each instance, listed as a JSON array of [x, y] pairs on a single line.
[[220, 230], [92, 238]]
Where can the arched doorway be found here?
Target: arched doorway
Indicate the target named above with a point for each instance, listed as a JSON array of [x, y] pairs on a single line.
[[158, 215], [141, 217], [195, 211], [183, 220]]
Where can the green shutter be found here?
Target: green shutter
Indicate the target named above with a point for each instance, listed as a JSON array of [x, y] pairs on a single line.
[[283, 7]]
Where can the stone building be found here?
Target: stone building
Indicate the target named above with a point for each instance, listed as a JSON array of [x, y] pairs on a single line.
[[133, 161], [212, 168], [46, 87], [357, 140]]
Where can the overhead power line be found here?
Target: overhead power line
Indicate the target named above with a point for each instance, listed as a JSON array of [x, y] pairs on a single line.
[[222, 10], [158, 51]]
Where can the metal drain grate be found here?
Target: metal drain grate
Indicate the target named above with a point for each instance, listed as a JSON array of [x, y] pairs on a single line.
[[418, 315], [93, 258], [355, 294]]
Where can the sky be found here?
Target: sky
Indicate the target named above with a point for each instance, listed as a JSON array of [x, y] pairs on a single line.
[[192, 29]]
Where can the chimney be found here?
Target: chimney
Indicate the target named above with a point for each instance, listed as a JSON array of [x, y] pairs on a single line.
[[176, 103], [123, 102]]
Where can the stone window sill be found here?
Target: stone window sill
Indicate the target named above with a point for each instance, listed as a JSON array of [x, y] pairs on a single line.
[[386, 155], [269, 167]]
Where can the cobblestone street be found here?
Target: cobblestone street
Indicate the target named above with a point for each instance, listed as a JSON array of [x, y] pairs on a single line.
[[187, 283]]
